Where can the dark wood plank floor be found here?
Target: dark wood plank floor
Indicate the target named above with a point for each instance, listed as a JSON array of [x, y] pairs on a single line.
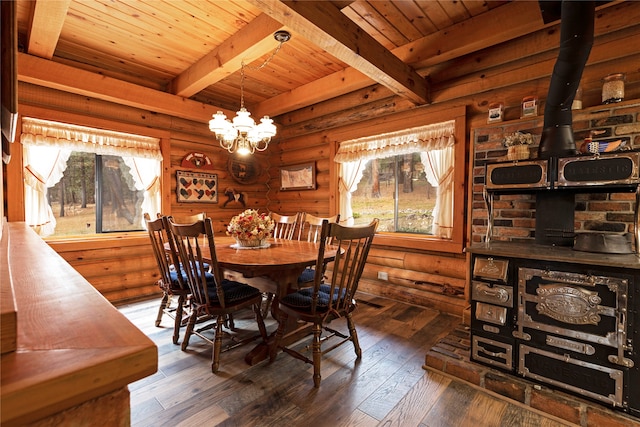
[[387, 387]]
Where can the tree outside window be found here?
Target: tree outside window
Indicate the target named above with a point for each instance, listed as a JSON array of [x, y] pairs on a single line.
[[96, 194], [395, 190]]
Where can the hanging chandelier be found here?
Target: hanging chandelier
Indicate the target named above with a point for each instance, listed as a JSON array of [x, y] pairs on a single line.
[[243, 135]]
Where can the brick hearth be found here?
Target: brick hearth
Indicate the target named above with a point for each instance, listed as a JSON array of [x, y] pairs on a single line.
[[451, 355]]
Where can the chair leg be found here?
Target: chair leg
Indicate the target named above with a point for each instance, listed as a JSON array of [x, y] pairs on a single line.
[[163, 305], [189, 329], [178, 320], [217, 345], [317, 354], [282, 323], [354, 335]]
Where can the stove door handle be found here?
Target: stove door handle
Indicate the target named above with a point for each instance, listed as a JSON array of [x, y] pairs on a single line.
[[498, 294], [491, 353]]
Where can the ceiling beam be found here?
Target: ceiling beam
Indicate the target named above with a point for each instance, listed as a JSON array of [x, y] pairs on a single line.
[[323, 24], [42, 72], [473, 34], [423, 52], [47, 18], [248, 44]]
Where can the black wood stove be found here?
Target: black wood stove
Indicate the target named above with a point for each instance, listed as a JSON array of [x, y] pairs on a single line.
[[566, 318]]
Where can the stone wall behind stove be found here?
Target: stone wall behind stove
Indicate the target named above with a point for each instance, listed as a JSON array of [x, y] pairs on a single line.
[[514, 214]]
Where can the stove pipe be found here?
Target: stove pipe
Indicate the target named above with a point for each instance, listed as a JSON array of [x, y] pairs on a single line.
[[576, 39]]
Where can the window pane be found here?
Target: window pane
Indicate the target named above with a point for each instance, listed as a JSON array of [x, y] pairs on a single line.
[[396, 191], [72, 199]]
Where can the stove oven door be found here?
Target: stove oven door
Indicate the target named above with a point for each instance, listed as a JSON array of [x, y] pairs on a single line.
[[572, 332]]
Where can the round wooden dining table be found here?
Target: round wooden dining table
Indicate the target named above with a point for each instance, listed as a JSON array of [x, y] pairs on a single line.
[[274, 269], [282, 261]]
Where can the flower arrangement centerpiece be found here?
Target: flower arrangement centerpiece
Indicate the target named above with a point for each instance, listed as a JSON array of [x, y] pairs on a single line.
[[251, 228], [518, 145]]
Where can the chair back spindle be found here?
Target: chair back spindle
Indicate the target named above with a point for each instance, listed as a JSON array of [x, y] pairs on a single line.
[[311, 226], [285, 225]]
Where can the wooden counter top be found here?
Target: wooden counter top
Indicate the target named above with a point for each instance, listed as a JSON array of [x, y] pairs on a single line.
[[72, 344]]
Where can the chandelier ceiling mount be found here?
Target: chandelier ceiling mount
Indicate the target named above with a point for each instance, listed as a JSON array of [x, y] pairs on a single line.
[[243, 134]]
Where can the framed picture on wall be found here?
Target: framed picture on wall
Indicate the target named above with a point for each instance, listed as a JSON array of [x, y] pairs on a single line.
[[196, 187], [298, 177]]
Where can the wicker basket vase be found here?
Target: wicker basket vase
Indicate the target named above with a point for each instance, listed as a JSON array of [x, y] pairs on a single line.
[[250, 243], [518, 152]]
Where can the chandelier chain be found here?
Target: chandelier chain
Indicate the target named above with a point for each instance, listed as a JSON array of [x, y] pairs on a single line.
[[259, 67], [242, 134]]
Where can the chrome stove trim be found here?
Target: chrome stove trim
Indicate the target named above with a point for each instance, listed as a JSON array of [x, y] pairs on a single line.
[[614, 338], [568, 304], [495, 294], [615, 374], [478, 350], [631, 178]]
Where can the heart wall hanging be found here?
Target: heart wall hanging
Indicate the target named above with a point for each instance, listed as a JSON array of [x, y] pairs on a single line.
[[196, 187]]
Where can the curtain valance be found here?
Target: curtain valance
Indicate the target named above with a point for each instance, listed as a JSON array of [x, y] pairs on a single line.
[[80, 138], [424, 138]]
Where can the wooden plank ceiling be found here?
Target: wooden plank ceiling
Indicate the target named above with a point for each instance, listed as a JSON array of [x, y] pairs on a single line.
[[194, 48]]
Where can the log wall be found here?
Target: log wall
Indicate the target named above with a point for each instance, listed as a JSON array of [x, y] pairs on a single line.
[[505, 73]]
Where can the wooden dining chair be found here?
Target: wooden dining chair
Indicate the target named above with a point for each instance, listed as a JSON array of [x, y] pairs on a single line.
[[190, 219], [211, 294], [168, 281], [285, 225], [310, 230], [326, 301]]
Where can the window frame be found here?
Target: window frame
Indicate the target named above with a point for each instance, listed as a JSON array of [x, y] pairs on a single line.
[[14, 178], [398, 122]]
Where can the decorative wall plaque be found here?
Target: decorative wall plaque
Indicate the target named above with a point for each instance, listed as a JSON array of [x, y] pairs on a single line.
[[243, 169], [197, 160]]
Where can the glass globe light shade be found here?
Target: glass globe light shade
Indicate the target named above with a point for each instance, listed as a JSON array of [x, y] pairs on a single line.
[[243, 121], [219, 123], [266, 128], [230, 134]]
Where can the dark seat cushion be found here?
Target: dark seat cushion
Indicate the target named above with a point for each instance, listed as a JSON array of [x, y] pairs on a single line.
[[233, 291], [175, 284], [301, 300], [307, 275]]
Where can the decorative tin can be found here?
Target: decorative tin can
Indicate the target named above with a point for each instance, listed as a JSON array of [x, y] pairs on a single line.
[[613, 88], [529, 106], [495, 113]]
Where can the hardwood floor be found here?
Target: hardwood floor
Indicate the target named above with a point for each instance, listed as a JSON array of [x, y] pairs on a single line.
[[387, 387]]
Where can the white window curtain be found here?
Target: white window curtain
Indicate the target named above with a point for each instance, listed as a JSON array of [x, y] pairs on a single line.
[[436, 139], [146, 173], [438, 166], [47, 147], [423, 138], [44, 168], [350, 176]]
